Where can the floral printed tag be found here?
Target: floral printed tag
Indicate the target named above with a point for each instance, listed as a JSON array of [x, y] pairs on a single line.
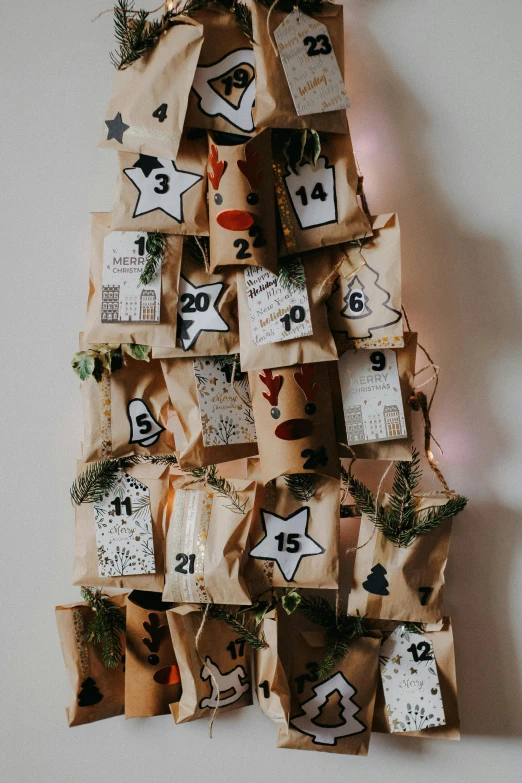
[[124, 529], [410, 682], [224, 404]]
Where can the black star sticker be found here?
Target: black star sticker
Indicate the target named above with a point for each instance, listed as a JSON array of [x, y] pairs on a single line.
[[147, 163], [116, 128], [183, 327]]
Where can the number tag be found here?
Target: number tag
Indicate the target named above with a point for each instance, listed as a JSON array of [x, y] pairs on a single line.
[[123, 298], [227, 89], [312, 193], [198, 311]]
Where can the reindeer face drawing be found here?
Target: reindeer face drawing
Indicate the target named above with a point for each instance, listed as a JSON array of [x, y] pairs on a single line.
[[294, 428]]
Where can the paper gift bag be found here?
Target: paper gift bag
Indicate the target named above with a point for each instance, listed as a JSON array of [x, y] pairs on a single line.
[[318, 204], [274, 106], [267, 307], [207, 323], [159, 194], [270, 681], [145, 526], [400, 583], [152, 679], [295, 542], [241, 202], [214, 410], [214, 673], [207, 532], [398, 448], [97, 692], [441, 637], [146, 316], [334, 713], [127, 412], [147, 109], [294, 421], [223, 91], [364, 310]]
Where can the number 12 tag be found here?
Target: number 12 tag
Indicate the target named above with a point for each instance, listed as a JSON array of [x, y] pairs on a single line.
[[310, 65]]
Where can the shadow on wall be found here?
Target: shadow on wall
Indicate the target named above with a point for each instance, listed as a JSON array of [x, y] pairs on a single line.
[[461, 298]]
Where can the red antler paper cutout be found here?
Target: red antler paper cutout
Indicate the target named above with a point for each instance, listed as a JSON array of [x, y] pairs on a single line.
[[249, 166], [273, 384], [304, 379], [217, 166]]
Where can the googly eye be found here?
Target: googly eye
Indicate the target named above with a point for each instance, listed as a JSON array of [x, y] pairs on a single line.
[[252, 198], [310, 408], [218, 199], [275, 413]]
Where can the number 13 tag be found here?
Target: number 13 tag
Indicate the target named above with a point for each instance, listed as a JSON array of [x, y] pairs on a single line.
[[310, 65]]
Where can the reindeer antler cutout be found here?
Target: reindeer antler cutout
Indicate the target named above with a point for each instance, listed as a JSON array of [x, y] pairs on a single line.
[[217, 166], [304, 379], [250, 166], [273, 384], [155, 631]]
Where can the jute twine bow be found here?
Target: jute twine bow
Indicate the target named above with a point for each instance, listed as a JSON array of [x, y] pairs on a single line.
[[214, 681]]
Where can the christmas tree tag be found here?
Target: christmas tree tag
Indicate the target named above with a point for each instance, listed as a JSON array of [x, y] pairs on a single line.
[[124, 299], [372, 400], [224, 404], [410, 682], [123, 524], [310, 65], [277, 313]]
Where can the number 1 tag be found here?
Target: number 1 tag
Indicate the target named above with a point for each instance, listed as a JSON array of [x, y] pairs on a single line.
[[310, 65]]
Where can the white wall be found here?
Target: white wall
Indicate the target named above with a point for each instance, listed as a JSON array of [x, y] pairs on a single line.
[[436, 93]]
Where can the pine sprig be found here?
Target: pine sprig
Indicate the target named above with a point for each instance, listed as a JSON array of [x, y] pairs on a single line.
[[244, 633], [100, 477], [221, 486], [291, 273], [134, 33], [106, 626], [155, 247], [302, 485]]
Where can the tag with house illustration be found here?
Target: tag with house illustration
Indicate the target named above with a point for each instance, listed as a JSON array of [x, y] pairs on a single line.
[[312, 194], [124, 298], [123, 524], [372, 400], [410, 682]]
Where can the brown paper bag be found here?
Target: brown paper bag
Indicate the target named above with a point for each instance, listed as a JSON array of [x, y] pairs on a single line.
[[317, 347], [152, 680], [273, 691], [223, 90], [126, 413], [333, 714], [219, 665], [241, 208], [147, 109], [97, 692], [318, 206], [399, 449], [295, 543], [294, 421], [400, 583], [364, 310], [441, 636], [215, 412], [205, 542], [144, 333], [86, 571], [207, 312], [158, 194], [274, 104]]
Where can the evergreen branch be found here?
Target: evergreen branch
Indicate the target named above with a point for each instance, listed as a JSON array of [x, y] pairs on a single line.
[[220, 485], [301, 485], [413, 627], [161, 459], [106, 626], [364, 499], [100, 477], [134, 33], [291, 273], [243, 16], [155, 247], [219, 612]]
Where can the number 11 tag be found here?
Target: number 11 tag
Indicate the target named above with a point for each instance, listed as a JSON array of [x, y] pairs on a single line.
[[310, 65]]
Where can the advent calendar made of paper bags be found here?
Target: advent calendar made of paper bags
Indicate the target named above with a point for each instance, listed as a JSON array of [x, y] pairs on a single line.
[[244, 334]]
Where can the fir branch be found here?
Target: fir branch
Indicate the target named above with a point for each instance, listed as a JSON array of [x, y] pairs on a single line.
[[364, 499], [134, 33], [413, 627], [161, 459], [220, 612], [243, 16], [155, 247], [224, 488], [302, 485], [291, 273], [100, 477], [106, 626]]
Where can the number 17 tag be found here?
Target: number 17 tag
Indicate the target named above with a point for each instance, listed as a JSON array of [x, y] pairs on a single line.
[[310, 65]]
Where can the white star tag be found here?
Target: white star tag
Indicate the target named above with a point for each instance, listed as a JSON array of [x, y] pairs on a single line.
[[197, 311], [162, 189], [286, 541]]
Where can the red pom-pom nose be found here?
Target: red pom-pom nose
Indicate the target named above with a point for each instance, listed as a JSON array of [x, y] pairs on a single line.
[[234, 219]]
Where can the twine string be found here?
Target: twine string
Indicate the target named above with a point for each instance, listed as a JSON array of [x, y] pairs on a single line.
[[204, 254], [214, 681]]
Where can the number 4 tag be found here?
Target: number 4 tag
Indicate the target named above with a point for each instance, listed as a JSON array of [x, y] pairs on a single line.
[[312, 193]]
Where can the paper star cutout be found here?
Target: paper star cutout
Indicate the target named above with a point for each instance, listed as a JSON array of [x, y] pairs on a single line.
[[116, 128], [201, 302], [147, 163], [164, 190], [286, 541]]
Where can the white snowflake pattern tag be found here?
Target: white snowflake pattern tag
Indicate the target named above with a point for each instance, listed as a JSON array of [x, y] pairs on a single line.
[[124, 298]]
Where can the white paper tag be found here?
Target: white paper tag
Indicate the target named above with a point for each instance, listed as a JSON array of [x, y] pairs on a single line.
[[198, 311], [124, 298], [227, 88], [372, 399], [124, 529], [225, 407], [311, 69], [312, 193], [410, 682], [276, 313]]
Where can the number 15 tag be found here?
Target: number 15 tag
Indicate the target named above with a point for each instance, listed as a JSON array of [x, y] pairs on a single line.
[[310, 65]]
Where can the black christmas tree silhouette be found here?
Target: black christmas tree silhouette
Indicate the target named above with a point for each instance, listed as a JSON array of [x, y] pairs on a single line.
[[89, 694], [376, 582]]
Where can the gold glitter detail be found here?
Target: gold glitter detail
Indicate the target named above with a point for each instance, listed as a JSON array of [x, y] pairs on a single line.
[[378, 342], [285, 210], [201, 544], [105, 416], [175, 543], [157, 135], [83, 650]]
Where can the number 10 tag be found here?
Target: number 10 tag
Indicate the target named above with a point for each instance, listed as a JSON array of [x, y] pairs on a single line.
[[310, 65]]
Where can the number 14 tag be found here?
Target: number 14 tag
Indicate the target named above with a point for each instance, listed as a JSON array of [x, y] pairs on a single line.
[[310, 65]]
